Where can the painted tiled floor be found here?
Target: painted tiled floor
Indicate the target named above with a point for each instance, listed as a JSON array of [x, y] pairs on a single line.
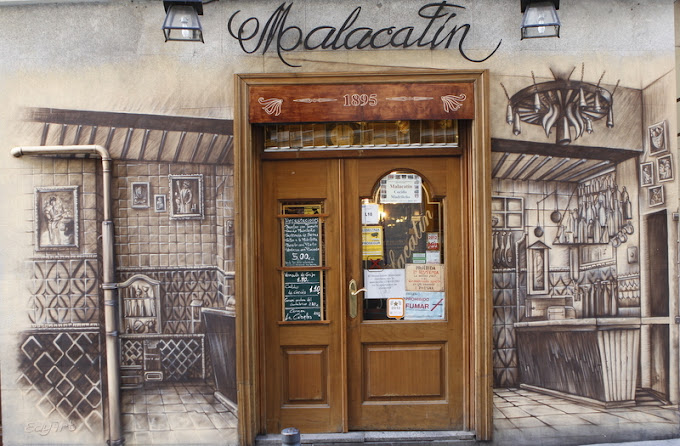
[[176, 413], [526, 417], [188, 414]]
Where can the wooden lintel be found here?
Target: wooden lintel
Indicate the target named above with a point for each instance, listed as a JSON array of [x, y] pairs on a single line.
[[361, 102]]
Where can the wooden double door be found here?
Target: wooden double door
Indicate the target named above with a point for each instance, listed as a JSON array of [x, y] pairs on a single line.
[[367, 331]]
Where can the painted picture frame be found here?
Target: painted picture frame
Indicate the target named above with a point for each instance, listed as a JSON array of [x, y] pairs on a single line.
[[664, 168], [646, 174], [160, 203], [186, 197], [57, 216], [139, 195], [658, 138], [656, 196]]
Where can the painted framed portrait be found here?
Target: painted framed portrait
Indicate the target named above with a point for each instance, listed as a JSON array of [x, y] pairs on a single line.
[[646, 174], [56, 218], [656, 197], [186, 197], [658, 138], [139, 195], [664, 168], [160, 203]]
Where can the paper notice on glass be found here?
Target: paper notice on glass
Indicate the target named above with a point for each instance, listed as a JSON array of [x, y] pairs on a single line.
[[433, 241], [372, 242], [424, 277], [395, 307], [370, 214], [419, 257], [432, 257], [421, 306], [401, 188], [384, 283]]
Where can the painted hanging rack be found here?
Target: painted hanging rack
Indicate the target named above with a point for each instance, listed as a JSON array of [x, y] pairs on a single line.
[[566, 105]]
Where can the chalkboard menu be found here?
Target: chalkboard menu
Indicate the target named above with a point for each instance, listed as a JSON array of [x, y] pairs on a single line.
[[301, 241], [302, 292]]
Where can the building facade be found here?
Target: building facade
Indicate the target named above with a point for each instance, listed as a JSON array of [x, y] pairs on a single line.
[[355, 218]]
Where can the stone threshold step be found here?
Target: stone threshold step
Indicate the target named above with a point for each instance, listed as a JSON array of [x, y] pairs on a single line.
[[374, 438]]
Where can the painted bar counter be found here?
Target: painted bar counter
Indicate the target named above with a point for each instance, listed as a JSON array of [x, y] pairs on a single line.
[[220, 327], [593, 360]]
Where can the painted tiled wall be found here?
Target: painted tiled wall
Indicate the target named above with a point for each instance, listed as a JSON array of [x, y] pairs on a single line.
[[145, 238]]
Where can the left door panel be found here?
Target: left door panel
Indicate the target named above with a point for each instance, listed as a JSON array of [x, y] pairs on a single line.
[[303, 362]]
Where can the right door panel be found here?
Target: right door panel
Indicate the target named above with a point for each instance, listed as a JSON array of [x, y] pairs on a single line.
[[403, 243]]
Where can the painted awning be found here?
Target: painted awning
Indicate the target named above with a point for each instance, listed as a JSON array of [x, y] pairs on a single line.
[[138, 137], [533, 161]]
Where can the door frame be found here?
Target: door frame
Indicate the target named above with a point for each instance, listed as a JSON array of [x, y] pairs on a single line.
[[476, 158]]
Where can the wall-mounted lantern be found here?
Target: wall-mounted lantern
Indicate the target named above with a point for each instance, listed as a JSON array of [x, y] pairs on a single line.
[[181, 20], [540, 18]]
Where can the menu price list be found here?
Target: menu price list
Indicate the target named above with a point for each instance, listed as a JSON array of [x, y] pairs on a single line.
[[302, 296], [301, 241]]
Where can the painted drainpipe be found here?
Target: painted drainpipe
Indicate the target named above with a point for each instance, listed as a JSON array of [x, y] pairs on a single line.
[[108, 286]]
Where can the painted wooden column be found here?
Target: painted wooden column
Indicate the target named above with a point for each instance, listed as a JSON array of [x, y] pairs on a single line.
[[619, 351]]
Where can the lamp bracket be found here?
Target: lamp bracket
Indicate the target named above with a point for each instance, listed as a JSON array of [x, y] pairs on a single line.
[[196, 4], [525, 3]]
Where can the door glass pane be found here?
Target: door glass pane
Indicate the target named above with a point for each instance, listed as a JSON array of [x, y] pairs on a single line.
[[402, 251]]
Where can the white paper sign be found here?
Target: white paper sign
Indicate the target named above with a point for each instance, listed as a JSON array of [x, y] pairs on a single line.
[[395, 307], [370, 214], [421, 306], [429, 277], [433, 257], [401, 188], [384, 283]]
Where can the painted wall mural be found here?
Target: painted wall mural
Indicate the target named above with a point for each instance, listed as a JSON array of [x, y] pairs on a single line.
[[585, 199], [174, 265], [581, 254], [580, 259], [577, 233]]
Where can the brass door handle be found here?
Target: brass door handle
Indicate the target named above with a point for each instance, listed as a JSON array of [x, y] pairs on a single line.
[[352, 295]]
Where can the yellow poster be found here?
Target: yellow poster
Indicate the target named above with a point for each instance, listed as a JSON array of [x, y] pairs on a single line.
[[372, 242]]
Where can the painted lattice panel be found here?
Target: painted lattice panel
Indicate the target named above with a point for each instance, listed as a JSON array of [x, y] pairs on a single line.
[[182, 358], [64, 291], [61, 373], [131, 352]]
